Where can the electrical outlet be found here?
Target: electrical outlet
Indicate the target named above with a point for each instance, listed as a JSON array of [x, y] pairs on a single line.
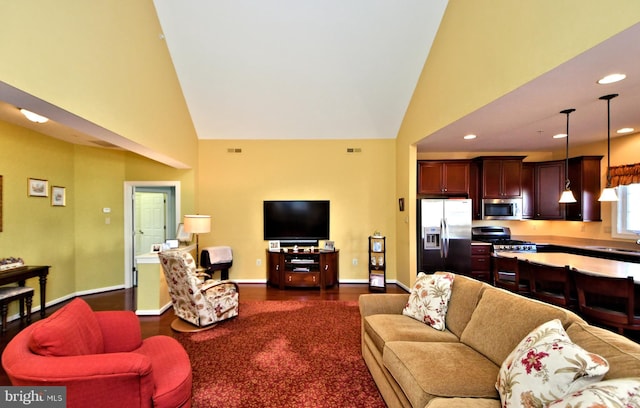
[[355, 261], [258, 262]]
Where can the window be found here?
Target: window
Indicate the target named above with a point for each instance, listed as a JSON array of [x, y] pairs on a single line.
[[626, 214]]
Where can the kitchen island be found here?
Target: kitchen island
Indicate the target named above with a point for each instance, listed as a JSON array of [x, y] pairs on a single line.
[[587, 264]]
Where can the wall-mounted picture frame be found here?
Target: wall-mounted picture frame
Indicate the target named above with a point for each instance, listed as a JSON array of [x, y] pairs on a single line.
[[58, 196], [37, 187], [182, 235]]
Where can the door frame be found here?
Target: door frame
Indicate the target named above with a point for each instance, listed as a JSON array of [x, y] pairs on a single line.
[[129, 189]]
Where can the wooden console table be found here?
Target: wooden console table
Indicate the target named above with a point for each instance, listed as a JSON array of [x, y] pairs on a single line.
[[23, 273]]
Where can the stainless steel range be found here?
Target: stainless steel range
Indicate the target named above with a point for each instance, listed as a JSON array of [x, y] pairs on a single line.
[[500, 238]]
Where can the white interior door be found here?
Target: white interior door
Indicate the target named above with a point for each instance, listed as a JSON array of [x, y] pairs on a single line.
[[150, 220]]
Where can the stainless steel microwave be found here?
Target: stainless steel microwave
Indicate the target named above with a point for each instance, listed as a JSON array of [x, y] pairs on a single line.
[[502, 209]]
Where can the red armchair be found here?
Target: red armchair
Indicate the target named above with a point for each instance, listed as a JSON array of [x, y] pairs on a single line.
[[101, 358]]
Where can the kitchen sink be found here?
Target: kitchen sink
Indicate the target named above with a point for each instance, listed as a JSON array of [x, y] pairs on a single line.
[[615, 250]]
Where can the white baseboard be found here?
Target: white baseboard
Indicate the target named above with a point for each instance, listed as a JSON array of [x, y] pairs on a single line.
[[153, 312]]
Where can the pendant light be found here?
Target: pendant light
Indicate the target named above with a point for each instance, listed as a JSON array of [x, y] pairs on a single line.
[[608, 193], [567, 195]]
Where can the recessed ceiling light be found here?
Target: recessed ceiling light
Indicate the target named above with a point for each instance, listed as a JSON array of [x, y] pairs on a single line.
[[609, 79], [34, 117], [560, 136], [625, 130], [469, 137]]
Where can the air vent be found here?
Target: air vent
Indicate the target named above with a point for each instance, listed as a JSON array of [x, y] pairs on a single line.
[[234, 150], [354, 150]]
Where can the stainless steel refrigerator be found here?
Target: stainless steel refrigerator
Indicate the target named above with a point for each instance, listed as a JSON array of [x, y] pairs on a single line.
[[444, 236]]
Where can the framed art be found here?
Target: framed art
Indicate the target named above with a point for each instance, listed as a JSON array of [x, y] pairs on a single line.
[[274, 246], [37, 188], [58, 196], [182, 235], [329, 246], [155, 248]]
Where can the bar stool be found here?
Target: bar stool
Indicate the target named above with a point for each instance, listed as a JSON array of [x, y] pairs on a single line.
[[10, 293], [510, 273]]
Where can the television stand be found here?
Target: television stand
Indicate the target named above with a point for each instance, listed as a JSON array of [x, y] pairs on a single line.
[[317, 269]]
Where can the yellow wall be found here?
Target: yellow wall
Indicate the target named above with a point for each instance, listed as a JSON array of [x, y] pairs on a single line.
[[32, 228], [359, 185], [483, 51], [103, 61], [85, 253]]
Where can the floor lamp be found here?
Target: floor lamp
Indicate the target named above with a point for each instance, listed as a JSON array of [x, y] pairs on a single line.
[[197, 224]]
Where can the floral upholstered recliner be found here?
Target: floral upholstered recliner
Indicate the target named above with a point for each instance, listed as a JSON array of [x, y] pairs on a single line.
[[199, 302]]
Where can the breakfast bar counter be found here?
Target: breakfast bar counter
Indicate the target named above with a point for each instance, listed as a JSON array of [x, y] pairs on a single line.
[[587, 264]]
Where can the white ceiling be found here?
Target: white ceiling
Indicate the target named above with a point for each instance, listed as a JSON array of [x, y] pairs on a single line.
[[330, 69], [290, 69], [527, 118]]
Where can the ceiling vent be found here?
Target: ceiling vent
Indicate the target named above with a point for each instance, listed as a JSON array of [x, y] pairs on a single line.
[[234, 150], [354, 150]]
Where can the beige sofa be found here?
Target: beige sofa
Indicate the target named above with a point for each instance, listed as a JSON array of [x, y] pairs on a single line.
[[415, 365]]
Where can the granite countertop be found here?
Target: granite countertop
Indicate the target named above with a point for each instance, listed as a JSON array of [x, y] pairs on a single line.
[[598, 247]]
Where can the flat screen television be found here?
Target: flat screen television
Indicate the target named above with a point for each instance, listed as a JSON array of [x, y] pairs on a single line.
[[296, 222]]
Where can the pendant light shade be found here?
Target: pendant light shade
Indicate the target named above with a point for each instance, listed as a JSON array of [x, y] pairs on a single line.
[[567, 195], [609, 193]]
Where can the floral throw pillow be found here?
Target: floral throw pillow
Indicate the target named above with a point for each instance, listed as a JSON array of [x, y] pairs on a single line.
[[621, 392], [546, 366], [429, 299]]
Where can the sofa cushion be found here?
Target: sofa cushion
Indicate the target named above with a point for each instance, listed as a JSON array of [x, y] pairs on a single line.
[[465, 294], [545, 366], [383, 328], [429, 299], [621, 392], [622, 354], [464, 403], [425, 370], [72, 330], [502, 319]]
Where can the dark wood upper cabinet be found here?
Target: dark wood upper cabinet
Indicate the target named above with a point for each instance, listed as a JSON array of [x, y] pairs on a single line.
[[501, 177], [584, 175], [443, 178], [528, 190], [549, 184]]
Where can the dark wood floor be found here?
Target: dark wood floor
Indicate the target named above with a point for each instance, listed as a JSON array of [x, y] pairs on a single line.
[[153, 325]]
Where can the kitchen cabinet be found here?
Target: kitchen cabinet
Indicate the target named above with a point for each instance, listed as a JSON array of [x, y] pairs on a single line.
[[542, 184], [528, 190], [443, 178], [584, 174], [549, 184], [481, 261], [501, 176]]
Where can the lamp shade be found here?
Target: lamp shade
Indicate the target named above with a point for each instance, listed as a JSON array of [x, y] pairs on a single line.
[[608, 194], [197, 224], [567, 197]]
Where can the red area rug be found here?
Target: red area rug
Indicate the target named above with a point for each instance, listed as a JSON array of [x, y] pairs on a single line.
[[282, 354]]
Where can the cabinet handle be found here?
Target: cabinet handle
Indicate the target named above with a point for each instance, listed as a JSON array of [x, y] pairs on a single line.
[[326, 267], [277, 267], [314, 278], [289, 278]]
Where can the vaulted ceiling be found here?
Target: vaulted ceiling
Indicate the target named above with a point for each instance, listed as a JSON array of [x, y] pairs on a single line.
[[333, 69]]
